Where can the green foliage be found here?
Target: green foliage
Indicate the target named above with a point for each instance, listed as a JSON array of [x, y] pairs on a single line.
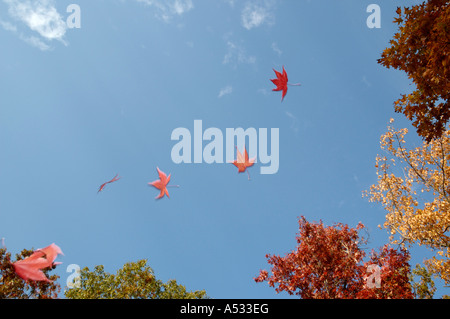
[[424, 288], [14, 287], [136, 280]]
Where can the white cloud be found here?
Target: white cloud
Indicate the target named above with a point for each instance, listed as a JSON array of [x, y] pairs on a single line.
[[40, 16], [263, 91], [226, 90], [230, 2], [166, 9], [181, 6], [36, 42], [276, 49], [32, 40], [236, 53], [295, 122], [366, 82], [8, 26], [257, 13]]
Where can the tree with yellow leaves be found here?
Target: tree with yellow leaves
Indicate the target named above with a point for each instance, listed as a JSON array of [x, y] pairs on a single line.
[[414, 187]]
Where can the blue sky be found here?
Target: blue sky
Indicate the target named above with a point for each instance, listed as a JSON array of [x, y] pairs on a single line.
[[79, 105]]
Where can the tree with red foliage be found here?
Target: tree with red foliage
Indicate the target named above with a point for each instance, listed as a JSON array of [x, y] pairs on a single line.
[[328, 264], [421, 49], [14, 287], [394, 275]]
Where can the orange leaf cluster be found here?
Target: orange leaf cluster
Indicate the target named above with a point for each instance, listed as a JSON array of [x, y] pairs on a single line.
[[421, 48], [414, 187]]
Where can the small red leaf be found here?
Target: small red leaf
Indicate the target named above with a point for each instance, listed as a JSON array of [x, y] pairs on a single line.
[[242, 162], [104, 184], [161, 184], [281, 82]]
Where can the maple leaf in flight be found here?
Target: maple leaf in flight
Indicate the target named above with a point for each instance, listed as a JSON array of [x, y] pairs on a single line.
[[104, 184], [31, 267], [242, 162], [161, 184], [282, 82]]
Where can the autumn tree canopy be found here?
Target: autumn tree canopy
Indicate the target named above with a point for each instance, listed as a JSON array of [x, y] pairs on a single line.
[[414, 187], [421, 48], [136, 280], [14, 287], [328, 263]]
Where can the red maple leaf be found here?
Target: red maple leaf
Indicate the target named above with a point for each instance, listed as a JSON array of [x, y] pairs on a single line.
[[104, 184], [31, 267], [161, 184], [242, 162], [282, 82]]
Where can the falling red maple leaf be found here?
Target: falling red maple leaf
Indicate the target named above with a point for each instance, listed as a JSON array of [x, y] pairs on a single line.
[[161, 184], [31, 267], [242, 162], [282, 82], [104, 184]]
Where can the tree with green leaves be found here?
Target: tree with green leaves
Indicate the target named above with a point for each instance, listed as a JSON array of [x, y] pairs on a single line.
[[425, 287], [136, 280]]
